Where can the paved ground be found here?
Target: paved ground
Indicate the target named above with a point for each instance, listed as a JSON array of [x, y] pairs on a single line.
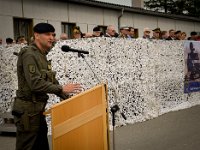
[[173, 131]]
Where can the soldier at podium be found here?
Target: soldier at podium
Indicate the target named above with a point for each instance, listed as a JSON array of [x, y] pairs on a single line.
[[35, 80]]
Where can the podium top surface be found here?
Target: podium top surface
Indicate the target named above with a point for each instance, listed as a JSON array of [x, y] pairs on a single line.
[[78, 95]]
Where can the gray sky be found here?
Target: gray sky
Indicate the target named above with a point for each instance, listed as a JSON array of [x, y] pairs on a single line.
[[120, 2]]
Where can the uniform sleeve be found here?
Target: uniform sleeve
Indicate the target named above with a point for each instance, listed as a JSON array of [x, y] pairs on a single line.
[[35, 78], [62, 95]]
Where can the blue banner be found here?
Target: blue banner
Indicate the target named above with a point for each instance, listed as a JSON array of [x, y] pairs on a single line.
[[192, 66]]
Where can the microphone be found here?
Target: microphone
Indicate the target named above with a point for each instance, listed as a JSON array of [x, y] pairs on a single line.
[[66, 48]]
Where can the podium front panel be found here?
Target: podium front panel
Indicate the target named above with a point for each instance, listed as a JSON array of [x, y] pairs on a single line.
[[80, 123]]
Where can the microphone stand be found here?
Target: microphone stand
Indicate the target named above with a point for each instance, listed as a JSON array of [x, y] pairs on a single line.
[[81, 55], [114, 108]]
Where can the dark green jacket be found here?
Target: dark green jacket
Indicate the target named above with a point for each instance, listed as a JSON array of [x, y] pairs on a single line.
[[35, 76]]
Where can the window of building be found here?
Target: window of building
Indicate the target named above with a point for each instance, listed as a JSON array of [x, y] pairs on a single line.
[[136, 33], [23, 27], [67, 28]]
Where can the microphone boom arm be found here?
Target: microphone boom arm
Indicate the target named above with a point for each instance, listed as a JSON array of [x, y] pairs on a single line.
[[81, 55]]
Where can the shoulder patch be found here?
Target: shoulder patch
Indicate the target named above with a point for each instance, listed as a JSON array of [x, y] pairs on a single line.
[[32, 68]]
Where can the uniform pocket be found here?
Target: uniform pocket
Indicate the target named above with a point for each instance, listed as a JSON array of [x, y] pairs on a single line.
[[44, 74], [51, 76]]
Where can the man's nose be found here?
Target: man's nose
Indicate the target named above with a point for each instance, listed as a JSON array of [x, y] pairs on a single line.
[[51, 37]]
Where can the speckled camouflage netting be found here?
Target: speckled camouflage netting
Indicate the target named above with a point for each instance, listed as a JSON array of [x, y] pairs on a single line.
[[145, 78]]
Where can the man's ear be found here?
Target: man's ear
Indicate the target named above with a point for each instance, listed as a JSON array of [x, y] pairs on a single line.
[[36, 35]]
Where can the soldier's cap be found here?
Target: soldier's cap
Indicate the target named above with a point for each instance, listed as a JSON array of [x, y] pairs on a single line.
[[156, 30], [193, 33], [124, 28], [96, 29], [177, 32], [43, 28]]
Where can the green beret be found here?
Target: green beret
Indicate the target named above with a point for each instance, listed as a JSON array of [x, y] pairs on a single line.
[[43, 28], [96, 29], [177, 32], [157, 30]]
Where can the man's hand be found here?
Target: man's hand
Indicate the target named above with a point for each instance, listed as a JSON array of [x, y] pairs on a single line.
[[72, 88]]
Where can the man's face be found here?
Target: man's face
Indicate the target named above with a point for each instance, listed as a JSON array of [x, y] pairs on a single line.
[[171, 33], [22, 40], [156, 34], [194, 37], [147, 33], [164, 36], [45, 40], [178, 35], [77, 35], [96, 33], [111, 31], [125, 31], [132, 32], [64, 36]]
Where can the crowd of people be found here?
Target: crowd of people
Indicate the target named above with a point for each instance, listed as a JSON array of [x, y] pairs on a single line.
[[129, 32], [9, 41], [124, 32]]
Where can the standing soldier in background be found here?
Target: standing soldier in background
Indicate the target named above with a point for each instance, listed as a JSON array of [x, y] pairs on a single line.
[[63, 36], [171, 34], [97, 32], [125, 32], [164, 35], [1, 41], [21, 40], [35, 80], [111, 31], [193, 36], [177, 35], [132, 32], [146, 33], [77, 34], [156, 34]]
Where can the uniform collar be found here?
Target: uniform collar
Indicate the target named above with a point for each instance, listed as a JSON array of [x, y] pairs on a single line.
[[37, 49]]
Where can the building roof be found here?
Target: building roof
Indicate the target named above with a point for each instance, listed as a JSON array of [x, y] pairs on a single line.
[[137, 10]]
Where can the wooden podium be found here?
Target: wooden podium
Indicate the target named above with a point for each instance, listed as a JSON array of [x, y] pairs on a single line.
[[81, 122]]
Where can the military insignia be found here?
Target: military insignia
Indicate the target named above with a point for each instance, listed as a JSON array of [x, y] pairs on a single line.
[[31, 68], [49, 67]]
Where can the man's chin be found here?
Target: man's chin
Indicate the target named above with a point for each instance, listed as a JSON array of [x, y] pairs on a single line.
[[49, 45]]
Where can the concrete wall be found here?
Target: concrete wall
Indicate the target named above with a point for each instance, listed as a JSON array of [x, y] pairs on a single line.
[[6, 25], [11, 8], [85, 16], [141, 21], [185, 26]]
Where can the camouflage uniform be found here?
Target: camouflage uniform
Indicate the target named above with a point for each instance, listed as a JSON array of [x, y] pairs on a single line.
[[35, 80]]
